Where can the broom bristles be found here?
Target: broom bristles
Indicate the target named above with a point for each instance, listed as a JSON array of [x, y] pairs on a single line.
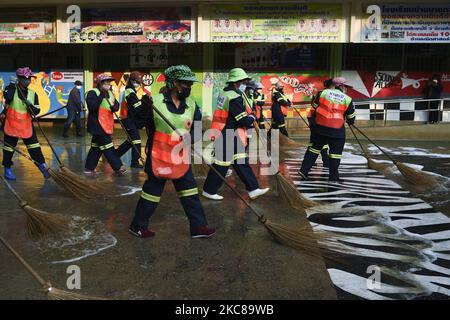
[[80, 188], [304, 239], [287, 142], [291, 195], [42, 224], [58, 294], [371, 164], [416, 177]]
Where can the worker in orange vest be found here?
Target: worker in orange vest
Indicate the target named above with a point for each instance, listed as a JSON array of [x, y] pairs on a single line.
[[280, 105], [169, 157], [130, 110], [333, 107], [20, 103], [102, 104]]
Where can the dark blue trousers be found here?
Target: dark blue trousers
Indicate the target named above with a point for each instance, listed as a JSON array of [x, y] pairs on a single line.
[[133, 131], [102, 144]]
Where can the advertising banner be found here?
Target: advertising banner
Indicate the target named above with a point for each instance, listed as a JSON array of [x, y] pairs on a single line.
[[406, 23], [52, 88], [135, 25], [27, 25], [277, 22], [392, 84]]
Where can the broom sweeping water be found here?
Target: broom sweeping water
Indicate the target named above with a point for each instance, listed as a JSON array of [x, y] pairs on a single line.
[[47, 288], [303, 239], [371, 164], [81, 188], [411, 175], [40, 223], [73, 187]]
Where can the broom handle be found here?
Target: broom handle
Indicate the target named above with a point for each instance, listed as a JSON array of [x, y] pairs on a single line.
[[359, 142], [126, 132], [371, 141], [50, 112], [39, 125], [12, 190], [167, 121], [23, 262], [307, 124]]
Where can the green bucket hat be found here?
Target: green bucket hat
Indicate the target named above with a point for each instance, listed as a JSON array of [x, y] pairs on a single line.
[[179, 72], [237, 74]]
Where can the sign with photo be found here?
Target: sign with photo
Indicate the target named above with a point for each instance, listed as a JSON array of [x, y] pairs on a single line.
[[27, 25], [277, 23], [406, 23], [134, 25]]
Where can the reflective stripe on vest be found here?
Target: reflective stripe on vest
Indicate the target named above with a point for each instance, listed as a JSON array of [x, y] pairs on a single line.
[[331, 109], [124, 104], [18, 119], [105, 115], [170, 158], [284, 109], [220, 115]]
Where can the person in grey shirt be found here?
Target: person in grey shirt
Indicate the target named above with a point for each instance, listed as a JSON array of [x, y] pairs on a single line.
[[74, 108]]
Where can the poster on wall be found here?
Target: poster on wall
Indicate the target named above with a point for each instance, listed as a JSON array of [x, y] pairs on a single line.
[[392, 84], [406, 23], [277, 23], [148, 55], [152, 81], [136, 25], [27, 25], [52, 88], [298, 87], [275, 55]]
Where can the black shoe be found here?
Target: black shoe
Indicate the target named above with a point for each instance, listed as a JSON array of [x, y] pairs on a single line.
[[136, 166]]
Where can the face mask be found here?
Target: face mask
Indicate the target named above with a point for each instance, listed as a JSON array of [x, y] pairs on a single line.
[[185, 92], [25, 82], [242, 88], [251, 92], [106, 87], [136, 84], [435, 81], [79, 87]]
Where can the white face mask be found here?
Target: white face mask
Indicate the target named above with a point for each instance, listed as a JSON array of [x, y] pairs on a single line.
[[251, 92], [136, 84], [106, 87], [242, 87], [79, 87]]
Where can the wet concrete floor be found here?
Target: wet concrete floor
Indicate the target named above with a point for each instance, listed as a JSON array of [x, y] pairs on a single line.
[[240, 262]]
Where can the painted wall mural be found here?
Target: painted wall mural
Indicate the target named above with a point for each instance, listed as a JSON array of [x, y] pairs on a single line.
[[52, 87]]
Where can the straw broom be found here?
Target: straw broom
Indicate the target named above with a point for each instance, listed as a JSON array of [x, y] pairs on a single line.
[[287, 191], [411, 175], [40, 223], [47, 288], [371, 164], [81, 188], [302, 239]]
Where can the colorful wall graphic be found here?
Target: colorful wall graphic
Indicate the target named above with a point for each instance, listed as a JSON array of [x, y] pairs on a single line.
[[152, 82], [109, 25], [392, 84], [27, 25], [277, 22], [406, 23], [52, 87]]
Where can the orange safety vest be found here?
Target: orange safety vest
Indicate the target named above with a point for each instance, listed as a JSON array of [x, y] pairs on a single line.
[[220, 116], [105, 114], [124, 105], [170, 158], [18, 119], [284, 109], [332, 106]]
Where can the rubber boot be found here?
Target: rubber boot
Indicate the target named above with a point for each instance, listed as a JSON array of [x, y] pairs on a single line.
[[9, 175], [43, 168]]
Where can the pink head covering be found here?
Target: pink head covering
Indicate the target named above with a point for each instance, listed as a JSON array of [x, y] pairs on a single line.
[[102, 77], [24, 72], [340, 81]]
